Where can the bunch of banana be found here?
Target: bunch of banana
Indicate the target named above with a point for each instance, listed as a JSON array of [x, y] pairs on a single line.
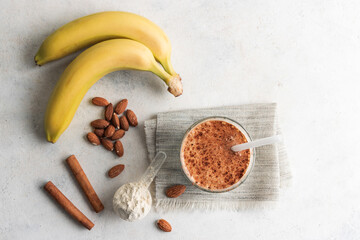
[[122, 41]]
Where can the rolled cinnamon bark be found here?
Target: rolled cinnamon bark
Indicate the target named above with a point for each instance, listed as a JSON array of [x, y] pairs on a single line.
[[67, 205], [84, 183]]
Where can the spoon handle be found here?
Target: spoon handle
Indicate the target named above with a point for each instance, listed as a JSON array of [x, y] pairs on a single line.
[[153, 168], [257, 143]]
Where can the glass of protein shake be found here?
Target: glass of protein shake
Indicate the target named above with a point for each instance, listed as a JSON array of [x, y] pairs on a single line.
[[206, 156]]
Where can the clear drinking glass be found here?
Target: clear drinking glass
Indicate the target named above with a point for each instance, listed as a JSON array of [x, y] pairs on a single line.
[[252, 154]]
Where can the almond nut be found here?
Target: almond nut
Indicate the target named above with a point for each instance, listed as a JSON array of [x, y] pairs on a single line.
[[121, 106], [119, 149], [109, 111], [164, 225], [109, 131], [118, 134], [107, 144], [175, 191], [93, 139], [99, 132], [99, 101], [131, 118], [116, 170], [124, 124], [115, 121], [99, 123]]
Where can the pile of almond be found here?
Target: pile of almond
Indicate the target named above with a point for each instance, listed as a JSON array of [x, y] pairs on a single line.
[[111, 129]]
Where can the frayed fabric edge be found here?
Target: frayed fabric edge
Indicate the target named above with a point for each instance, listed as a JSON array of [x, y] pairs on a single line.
[[165, 205]]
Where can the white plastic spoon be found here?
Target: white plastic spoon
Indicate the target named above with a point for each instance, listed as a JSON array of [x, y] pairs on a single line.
[[257, 143]]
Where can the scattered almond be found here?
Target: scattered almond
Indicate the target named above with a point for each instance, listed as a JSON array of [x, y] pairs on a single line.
[[124, 124], [109, 131], [109, 111], [116, 170], [175, 191], [164, 225], [107, 144], [112, 128], [119, 149], [121, 106], [118, 134], [99, 101], [99, 123], [131, 118], [99, 132], [93, 139], [115, 121]]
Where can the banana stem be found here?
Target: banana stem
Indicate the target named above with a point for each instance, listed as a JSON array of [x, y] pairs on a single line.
[[166, 63], [173, 81], [161, 73]]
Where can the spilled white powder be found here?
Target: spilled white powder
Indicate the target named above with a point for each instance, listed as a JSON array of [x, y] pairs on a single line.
[[132, 201]]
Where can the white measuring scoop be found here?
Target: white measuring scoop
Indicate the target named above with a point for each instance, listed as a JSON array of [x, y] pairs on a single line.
[[132, 201]]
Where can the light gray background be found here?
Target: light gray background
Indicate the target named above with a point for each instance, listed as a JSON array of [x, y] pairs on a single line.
[[302, 54]]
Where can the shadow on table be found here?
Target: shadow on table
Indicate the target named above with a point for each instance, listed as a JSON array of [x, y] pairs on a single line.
[[43, 80]]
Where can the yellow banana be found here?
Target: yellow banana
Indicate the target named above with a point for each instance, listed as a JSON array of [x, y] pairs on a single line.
[[90, 66], [89, 30]]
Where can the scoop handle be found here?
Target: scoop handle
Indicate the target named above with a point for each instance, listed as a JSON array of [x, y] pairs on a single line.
[[257, 143], [153, 168]]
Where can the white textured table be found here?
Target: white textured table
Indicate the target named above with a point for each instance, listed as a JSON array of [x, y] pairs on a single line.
[[302, 54]]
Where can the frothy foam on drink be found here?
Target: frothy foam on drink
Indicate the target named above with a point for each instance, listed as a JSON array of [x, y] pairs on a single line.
[[208, 158]]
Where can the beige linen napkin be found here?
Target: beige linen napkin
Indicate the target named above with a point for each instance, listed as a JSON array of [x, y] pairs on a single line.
[[270, 173]]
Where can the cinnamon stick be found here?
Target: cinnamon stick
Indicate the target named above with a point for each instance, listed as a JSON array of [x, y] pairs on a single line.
[[67, 205], [84, 183]]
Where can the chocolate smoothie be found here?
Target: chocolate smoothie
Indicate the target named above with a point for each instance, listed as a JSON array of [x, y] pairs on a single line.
[[207, 156]]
